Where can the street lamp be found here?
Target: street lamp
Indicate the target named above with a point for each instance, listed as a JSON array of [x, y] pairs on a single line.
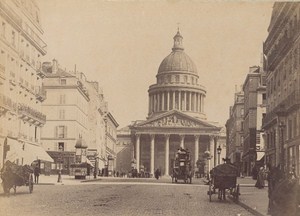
[[281, 126], [96, 166], [219, 149], [61, 148]]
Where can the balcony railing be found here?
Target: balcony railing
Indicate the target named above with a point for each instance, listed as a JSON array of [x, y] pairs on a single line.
[[29, 113], [40, 93]]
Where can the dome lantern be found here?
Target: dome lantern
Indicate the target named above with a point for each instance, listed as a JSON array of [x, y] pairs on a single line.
[[177, 42]]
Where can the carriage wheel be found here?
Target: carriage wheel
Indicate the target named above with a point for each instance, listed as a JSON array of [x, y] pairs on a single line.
[[30, 183], [209, 191]]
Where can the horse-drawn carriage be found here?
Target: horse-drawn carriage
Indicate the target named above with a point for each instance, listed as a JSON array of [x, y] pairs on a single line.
[[224, 177], [182, 169], [13, 175]]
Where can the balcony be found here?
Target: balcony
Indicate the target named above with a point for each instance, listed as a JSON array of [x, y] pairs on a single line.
[[31, 115], [40, 94]]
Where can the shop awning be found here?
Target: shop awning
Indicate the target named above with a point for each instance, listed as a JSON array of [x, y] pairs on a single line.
[[35, 152], [25, 153], [259, 155], [89, 162]]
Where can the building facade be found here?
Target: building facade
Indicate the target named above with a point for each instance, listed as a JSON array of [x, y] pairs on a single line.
[[282, 52], [234, 130], [66, 108], [254, 109], [111, 126], [176, 116], [21, 95]]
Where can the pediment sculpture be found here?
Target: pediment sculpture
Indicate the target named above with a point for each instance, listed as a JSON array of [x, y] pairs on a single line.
[[172, 121]]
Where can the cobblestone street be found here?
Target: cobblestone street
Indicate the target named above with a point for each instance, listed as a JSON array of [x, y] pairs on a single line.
[[117, 198]]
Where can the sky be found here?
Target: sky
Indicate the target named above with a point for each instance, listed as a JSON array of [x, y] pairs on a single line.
[[121, 44]]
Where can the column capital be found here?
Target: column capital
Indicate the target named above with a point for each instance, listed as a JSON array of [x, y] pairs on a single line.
[[137, 135], [152, 136], [167, 136], [181, 136], [211, 137], [197, 136]]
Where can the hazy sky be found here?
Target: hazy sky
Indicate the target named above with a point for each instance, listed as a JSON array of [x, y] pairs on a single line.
[[121, 45]]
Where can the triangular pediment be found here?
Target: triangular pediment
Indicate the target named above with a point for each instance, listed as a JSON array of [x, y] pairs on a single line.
[[175, 119]]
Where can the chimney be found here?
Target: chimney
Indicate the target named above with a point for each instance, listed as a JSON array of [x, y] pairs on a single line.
[[54, 66]]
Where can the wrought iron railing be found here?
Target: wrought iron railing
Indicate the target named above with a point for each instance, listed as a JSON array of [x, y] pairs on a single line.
[[32, 113]]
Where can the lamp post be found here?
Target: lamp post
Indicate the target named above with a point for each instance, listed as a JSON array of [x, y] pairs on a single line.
[[281, 149], [59, 179], [219, 149], [96, 166]]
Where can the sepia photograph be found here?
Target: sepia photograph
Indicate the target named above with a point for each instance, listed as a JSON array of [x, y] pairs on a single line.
[[147, 107]]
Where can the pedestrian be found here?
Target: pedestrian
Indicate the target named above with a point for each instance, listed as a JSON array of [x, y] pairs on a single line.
[[260, 182], [36, 173]]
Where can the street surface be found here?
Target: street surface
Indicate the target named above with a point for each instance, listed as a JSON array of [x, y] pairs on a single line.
[[117, 197]]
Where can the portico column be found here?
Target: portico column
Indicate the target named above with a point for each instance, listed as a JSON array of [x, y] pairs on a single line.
[[152, 154], [168, 101], [215, 150], [137, 151], [212, 149], [196, 149], [167, 136], [195, 102], [182, 141]]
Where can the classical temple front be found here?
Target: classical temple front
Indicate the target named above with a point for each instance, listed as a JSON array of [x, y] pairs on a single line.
[[176, 116]]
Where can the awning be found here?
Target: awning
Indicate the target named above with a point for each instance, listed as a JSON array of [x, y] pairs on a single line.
[[259, 155], [35, 152], [89, 162], [26, 153]]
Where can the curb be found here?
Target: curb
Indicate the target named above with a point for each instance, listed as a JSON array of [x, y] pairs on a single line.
[[248, 208]]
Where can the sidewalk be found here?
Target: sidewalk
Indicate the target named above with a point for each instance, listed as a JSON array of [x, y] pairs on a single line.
[[253, 199]]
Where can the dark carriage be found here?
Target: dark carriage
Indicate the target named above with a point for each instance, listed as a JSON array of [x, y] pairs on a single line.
[[224, 177], [14, 175], [182, 169]]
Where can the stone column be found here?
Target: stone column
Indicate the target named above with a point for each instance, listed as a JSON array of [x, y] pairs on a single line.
[[167, 150], [195, 102], [200, 104], [212, 149], [190, 101], [163, 101], [179, 101], [184, 103], [152, 154], [196, 149], [182, 140], [138, 151], [168, 101], [173, 105]]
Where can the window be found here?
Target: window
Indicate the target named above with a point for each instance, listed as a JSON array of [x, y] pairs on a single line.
[[185, 79], [242, 112], [63, 81], [177, 78], [62, 114], [61, 146], [62, 99], [61, 131]]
